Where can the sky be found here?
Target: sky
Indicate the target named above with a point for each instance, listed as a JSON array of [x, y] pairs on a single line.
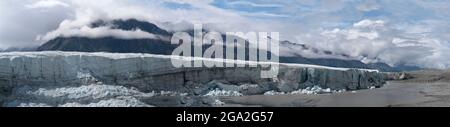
[[396, 32]]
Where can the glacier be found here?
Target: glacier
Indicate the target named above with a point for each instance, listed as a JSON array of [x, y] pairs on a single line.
[[54, 78]]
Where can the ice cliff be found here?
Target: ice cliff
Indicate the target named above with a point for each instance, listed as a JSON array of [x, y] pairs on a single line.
[[105, 79]]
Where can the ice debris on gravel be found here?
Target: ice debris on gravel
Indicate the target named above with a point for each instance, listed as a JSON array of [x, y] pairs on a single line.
[[217, 102], [89, 91], [218, 92], [308, 90], [128, 102], [93, 95]]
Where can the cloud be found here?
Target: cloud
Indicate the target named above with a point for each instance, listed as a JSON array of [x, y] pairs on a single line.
[[19, 25], [369, 23], [47, 4], [351, 34], [193, 2], [100, 32], [368, 6], [87, 11], [71, 15], [247, 3], [373, 41], [264, 15]]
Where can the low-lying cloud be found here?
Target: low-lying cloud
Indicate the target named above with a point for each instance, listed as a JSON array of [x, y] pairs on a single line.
[[373, 41], [46, 4], [100, 32]]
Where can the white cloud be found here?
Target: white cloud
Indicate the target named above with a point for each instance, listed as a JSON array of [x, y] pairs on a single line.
[[19, 25], [375, 41], [351, 34], [367, 23], [100, 32], [264, 15], [47, 4], [87, 11], [247, 3], [193, 2], [368, 6]]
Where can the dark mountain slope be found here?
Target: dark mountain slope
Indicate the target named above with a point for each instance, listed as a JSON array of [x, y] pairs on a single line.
[[157, 46]]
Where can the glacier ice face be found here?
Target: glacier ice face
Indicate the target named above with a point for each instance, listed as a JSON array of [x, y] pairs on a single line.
[[78, 79]]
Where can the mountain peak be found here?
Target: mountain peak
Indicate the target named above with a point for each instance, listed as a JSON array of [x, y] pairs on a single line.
[[131, 24]]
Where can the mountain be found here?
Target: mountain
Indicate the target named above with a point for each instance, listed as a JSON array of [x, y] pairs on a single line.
[[132, 24], [111, 44], [298, 58], [157, 46]]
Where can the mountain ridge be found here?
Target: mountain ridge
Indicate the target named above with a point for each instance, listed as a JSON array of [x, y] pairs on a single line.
[[156, 46]]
